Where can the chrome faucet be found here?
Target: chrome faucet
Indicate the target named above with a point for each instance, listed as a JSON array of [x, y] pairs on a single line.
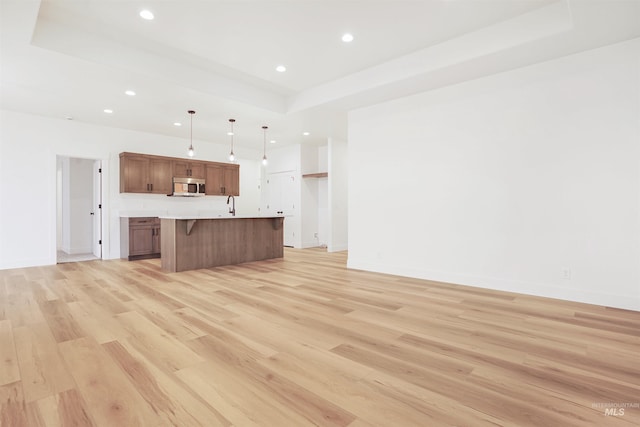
[[232, 210]]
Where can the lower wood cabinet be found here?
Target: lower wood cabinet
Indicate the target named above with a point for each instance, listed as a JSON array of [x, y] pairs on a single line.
[[143, 237]]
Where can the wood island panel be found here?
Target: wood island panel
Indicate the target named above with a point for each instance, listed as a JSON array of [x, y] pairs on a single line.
[[220, 241]]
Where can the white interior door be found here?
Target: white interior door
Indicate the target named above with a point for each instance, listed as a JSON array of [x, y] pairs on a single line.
[[281, 201], [97, 208], [273, 197]]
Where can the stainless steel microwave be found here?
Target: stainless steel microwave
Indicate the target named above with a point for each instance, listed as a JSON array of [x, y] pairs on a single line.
[[188, 187]]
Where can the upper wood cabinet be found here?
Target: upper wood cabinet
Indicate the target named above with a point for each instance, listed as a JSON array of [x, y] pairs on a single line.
[[222, 179], [160, 176], [143, 173], [231, 182], [189, 169], [213, 180]]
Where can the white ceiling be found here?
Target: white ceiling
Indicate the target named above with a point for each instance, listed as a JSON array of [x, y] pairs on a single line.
[[77, 57]]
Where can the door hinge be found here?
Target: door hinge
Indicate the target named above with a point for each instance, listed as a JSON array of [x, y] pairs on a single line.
[[99, 170], [100, 206], [99, 242]]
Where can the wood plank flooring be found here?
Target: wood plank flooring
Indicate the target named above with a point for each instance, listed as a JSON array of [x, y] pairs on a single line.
[[302, 341]]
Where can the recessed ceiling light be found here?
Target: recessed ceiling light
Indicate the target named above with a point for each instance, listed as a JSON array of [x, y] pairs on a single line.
[[130, 92], [230, 133], [146, 14], [306, 133], [281, 68], [177, 124], [108, 111], [347, 38], [273, 141]]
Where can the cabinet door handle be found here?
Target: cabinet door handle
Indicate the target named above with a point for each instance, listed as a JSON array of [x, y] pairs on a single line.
[[151, 186]]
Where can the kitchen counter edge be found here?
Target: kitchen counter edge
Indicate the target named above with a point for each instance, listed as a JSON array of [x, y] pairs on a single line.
[[187, 217]]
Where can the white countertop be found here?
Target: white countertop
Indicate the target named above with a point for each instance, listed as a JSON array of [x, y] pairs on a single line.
[[227, 216], [138, 214], [194, 214]]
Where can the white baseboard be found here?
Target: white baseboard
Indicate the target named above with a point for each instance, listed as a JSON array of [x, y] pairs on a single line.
[[25, 263], [337, 247], [310, 244], [627, 302]]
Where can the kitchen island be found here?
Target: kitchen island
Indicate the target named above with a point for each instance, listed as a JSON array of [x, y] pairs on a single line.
[[192, 242]]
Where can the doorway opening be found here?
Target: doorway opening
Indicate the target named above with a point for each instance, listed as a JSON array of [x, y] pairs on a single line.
[[78, 209]]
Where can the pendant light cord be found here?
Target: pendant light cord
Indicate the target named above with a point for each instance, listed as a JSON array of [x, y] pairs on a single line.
[[232, 156], [264, 145], [190, 152]]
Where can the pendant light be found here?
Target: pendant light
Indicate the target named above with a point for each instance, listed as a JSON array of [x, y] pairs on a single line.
[[191, 152], [232, 157], [264, 146]]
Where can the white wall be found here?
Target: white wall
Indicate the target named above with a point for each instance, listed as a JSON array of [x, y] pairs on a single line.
[[28, 148], [338, 195], [59, 203], [515, 181], [64, 199]]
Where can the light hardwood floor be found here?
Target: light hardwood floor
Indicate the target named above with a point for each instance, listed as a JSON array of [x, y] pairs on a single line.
[[302, 341]]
